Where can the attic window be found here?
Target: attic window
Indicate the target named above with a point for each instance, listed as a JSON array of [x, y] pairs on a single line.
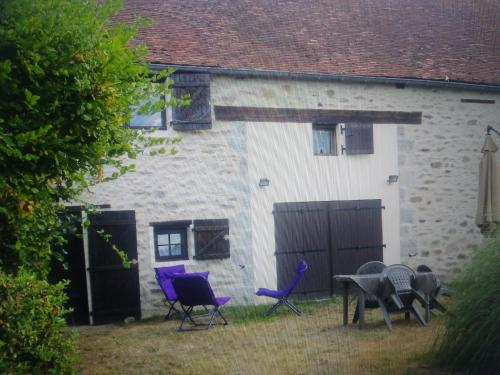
[[146, 120], [198, 114]]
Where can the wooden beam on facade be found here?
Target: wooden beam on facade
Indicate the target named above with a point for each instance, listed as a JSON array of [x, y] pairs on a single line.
[[316, 116]]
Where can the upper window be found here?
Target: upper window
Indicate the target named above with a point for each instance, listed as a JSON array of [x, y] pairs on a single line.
[[324, 142], [171, 241], [145, 120]]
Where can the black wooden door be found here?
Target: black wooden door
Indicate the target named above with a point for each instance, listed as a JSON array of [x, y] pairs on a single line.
[[356, 234], [114, 288], [302, 232], [72, 269], [333, 237]]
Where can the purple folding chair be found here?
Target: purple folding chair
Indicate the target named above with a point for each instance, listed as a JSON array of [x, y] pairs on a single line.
[[193, 289], [282, 295], [164, 277]]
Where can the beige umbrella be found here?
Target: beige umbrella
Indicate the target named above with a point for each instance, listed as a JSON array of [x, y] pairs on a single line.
[[488, 208]]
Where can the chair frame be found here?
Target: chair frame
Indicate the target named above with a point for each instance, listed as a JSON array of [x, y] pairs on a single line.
[[283, 299], [188, 308]]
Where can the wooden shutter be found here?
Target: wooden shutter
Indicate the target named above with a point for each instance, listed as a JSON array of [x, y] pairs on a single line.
[[210, 239], [198, 114], [359, 138]]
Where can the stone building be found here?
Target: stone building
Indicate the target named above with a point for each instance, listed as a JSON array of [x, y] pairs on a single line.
[[336, 131]]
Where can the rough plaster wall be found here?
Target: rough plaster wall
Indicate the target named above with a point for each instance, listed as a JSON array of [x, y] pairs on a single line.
[[438, 160], [207, 179]]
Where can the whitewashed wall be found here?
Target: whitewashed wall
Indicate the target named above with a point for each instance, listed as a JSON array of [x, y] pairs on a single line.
[[216, 175]]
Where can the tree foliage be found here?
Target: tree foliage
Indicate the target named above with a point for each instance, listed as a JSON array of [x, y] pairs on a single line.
[[68, 81]]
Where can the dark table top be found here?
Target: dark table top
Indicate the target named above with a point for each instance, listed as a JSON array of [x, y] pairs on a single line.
[[425, 282]]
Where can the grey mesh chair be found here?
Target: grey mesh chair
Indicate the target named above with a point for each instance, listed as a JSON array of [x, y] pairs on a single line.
[[433, 302], [400, 296], [371, 301]]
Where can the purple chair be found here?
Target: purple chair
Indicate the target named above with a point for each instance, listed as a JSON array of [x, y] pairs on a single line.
[[164, 277], [282, 295], [193, 289]]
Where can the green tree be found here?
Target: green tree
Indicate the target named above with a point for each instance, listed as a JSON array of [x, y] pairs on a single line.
[[69, 78]]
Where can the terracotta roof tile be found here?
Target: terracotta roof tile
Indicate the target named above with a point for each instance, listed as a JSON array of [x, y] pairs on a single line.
[[426, 39]]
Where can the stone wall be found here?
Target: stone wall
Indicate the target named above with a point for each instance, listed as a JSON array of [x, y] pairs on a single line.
[[209, 177], [206, 179], [439, 165]]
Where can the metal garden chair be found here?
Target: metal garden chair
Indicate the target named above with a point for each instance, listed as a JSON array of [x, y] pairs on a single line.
[[371, 301], [282, 295], [193, 289], [400, 294]]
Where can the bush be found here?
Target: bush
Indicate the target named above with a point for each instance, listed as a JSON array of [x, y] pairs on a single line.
[[34, 338], [471, 337]]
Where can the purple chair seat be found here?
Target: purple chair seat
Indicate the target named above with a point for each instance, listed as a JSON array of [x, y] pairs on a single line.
[[270, 293], [222, 300], [195, 290], [282, 295]]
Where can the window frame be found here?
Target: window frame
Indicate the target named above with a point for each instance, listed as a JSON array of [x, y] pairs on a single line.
[[332, 129], [171, 227], [163, 114]]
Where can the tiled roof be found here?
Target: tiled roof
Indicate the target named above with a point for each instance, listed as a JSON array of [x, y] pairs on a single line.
[[457, 40]]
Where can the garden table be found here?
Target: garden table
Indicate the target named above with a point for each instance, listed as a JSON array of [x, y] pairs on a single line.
[[425, 282]]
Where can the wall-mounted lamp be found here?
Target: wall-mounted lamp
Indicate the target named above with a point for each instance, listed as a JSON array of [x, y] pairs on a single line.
[[264, 182], [392, 179]]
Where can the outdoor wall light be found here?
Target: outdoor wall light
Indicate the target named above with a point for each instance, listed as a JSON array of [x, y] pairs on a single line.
[[264, 182], [392, 179]]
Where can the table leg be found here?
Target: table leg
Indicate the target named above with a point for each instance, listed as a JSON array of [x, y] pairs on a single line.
[[345, 303], [361, 303], [427, 307]]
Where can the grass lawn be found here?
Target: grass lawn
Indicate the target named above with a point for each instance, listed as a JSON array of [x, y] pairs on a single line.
[[315, 343]]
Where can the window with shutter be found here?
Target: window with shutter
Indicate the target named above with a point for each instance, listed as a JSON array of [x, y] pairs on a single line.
[[324, 139], [211, 239], [358, 138], [170, 240], [198, 114]]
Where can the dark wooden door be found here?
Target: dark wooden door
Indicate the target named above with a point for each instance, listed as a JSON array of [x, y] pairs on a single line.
[[72, 269], [114, 288], [333, 237], [356, 234], [301, 232]]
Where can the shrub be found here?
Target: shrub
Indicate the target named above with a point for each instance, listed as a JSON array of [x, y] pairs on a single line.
[[34, 338], [471, 336]]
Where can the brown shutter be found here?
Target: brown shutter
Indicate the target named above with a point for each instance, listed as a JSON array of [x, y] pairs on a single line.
[[198, 114], [359, 138], [210, 239]]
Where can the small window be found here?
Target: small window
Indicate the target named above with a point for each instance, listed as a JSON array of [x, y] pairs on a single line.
[[147, 121], [324, 142], [171, 241]]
